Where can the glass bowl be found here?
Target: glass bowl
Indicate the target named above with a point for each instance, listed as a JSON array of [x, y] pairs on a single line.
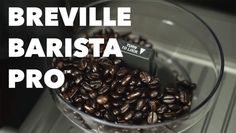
[[185, 44]]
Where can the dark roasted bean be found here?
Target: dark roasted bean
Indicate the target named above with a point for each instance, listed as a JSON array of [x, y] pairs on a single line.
[[93, 94], [169, 115], [86, 86], [184, 97], [120, 90], [103, 89], [162, 109], [138, 116], [134, 95], [169, 99], [96, 84], [126, 80], [115, 111], [122, 72], [78, 79], [145, 77], [89, 108], [153, 105], [152, 118], [124, 108], [82, 64], [140, 104], [171, 90], [153, 94], [128, 115], [117, 61]]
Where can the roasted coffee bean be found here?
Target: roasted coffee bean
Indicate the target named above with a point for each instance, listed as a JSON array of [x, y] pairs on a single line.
[[174, 107], [171, 90], [93, 76], [138, 116], [82, 64], [128, 115], [152, 118], [103, 89], [126, 80], [184, 97], [134, 95], [153, 105], [124, 107], [93, 94], [114, 84], [122, 72], [132, 82], [107, 106], [115, 95], [169, 99], [116, 103], [140, 104], [154, 81], [113, 70], [86, 86], [96, 84], [78, 79], [64, 87], [153, 94], [145, 77], [162, 109], [120, 90], [78, 99], [89, 108], [102, 99], [109, 116], [60, 65], [169, 115], [117, 61], [115, 111]]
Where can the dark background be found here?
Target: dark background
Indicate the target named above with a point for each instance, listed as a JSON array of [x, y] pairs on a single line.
[[16, 103]]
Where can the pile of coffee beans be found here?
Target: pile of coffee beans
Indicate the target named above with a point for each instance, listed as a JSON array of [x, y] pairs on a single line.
[[107, 88]]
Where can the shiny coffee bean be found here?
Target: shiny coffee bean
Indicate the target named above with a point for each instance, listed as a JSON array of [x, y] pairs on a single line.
[[126, 80], [93, 94], [128, 115], [82, 64], [145, 77], [140, 104], [86, 86], [120, 90], [89, 108], [152, 118], [102, 99], [96, 84], [134, 95], [153, 94], [169, 99], [124, 107], [122, 72], [162, 109], [103, 89]]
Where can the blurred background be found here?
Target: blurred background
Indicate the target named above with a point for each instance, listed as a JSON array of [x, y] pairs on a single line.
[[16, 104]]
